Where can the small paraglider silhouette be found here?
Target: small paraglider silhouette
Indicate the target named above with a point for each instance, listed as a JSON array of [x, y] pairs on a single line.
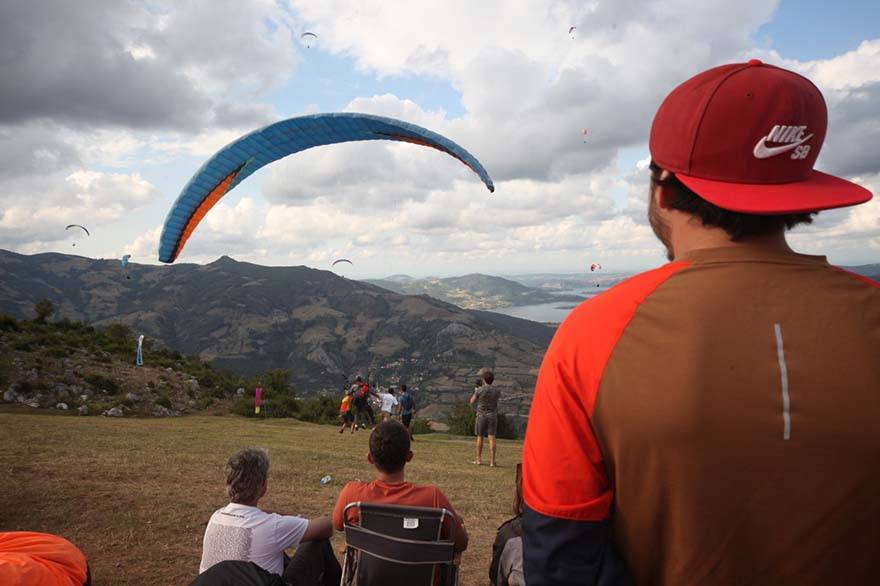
[[337, 261], [571, 31], [595, 266], [308, 38], [83, 228], [584, 133]]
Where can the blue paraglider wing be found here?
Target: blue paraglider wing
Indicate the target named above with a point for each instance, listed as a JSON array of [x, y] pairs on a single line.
[[236, 161]]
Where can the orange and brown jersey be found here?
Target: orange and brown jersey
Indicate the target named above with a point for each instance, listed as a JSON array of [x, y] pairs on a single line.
[[718, 420]]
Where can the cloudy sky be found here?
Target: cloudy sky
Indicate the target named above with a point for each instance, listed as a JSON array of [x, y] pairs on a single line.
[[107, 107]]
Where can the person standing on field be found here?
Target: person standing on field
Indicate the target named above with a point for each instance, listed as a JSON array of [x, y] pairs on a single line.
[[389, 402], [406, 409], [486, 399]]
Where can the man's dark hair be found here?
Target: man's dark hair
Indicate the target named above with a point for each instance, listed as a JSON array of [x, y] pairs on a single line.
[[488, 376], [737, 225], [359, 380], [389, 446], [402, 388]]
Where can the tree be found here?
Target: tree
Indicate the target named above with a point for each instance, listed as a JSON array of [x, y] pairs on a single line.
[[44, 309], [461, 419]]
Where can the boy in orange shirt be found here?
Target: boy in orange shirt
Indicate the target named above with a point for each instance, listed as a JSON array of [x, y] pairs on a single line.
[[389, 453], [345, 412]]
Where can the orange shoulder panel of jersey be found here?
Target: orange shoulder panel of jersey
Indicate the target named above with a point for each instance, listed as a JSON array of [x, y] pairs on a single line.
[[40, 559], [564, 473], [862, 278]]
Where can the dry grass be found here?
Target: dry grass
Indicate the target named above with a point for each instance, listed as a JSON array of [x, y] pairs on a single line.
[[135, 494]]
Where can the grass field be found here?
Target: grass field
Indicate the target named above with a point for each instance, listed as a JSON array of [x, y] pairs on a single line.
[[135, 494]]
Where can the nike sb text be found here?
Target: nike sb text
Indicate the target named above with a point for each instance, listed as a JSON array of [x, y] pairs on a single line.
[[788, 138]]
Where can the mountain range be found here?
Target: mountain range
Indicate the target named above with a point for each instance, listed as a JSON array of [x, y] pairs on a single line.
[[321, 327], [474, 291]]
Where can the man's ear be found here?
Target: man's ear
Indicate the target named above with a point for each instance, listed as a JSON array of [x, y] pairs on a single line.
[[661, 195], [370, 458], [409, 456]]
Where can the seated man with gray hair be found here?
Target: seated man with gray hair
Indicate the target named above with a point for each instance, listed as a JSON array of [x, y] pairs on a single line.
[[244, 532]]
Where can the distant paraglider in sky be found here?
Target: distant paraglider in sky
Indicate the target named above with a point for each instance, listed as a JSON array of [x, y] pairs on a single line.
[[83, 228], [595, 266], [571, 31], [308, 38], [336, 262], [239, 159], [584, 133]]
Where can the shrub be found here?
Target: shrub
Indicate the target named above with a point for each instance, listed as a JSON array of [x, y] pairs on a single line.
[[506, 428], [8, 324], [102, 382], [163, 401], [58, 351], [43, 308], [420, 426], [274, 405], [322, 409], [461, 419]]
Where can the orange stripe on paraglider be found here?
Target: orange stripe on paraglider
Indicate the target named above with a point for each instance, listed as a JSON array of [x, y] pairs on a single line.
[[207, 203], [428, 144]]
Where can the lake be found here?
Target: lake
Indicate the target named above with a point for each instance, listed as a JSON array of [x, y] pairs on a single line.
[[549, 312]]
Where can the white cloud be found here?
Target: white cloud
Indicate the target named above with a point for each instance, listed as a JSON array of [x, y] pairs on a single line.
[[527, 89]]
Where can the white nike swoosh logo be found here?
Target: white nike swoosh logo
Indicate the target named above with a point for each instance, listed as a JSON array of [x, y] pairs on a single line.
[[764, 152]]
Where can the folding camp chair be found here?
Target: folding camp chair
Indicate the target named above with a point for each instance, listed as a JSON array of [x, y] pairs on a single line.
[[394, 544]]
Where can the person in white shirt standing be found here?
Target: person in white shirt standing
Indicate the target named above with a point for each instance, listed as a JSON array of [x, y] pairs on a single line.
[[242, 531], [389, 402]]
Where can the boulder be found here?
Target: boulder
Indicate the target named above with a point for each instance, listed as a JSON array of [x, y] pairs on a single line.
[[456, 330], [83, 410], [113, 412], [11, 396], [134, 397], [160, 411], [239, 392], [33, 403], [62, 406]]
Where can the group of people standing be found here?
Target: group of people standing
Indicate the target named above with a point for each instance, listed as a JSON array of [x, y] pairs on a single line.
[[355, 409]]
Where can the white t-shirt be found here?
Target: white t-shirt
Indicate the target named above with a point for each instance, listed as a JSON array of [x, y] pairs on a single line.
[[388, 401], [240, 532]]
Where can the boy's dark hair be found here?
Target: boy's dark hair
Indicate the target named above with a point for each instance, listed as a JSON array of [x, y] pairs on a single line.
[[488, 376], [736, 224], [389, 446], [402, 388]]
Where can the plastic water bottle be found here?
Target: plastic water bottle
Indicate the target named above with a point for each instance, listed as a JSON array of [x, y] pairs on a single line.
[[326, 480]]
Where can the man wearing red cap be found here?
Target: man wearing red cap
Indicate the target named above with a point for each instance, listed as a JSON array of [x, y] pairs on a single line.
[[714, 421]]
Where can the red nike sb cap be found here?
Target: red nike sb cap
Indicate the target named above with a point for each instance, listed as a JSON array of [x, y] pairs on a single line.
[[745, 137]]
